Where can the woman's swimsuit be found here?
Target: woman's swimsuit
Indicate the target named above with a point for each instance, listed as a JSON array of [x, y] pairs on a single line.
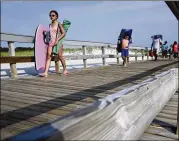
[[53, 33]]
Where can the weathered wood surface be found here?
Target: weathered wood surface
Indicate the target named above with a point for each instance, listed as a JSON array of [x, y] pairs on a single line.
[[22, 59], [164, 125], [28, 102], [12, 53]]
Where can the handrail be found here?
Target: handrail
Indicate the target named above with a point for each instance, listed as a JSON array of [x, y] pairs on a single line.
[[30, 39], [12, 59], [23, 59], [117, 116]]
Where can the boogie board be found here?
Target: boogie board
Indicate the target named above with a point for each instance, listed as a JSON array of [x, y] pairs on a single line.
[[157, 36], [40, 50], [123, 33]]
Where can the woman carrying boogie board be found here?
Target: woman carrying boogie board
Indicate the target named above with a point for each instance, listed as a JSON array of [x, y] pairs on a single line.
[[54, 40]]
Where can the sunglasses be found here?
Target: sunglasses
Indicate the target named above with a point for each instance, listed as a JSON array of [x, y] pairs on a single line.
[[52, 15]]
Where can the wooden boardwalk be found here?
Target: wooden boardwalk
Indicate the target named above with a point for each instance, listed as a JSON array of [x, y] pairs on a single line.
[[164, 126], [28, 102]]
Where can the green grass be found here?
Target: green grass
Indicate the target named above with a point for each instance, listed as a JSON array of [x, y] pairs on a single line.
[[30, 52], [20, 53]]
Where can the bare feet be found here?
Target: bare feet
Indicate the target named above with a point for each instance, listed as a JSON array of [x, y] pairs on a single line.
[[65, 73], [125, 65], [43, 75]]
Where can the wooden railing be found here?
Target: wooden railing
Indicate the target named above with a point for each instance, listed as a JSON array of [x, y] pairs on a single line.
[[12, 59]]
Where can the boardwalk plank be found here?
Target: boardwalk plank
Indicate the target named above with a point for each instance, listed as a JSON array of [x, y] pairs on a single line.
[[171, 108], [169, 121], [161, 132], [60, 98], [41, 106], [50, 105], [169, 112], [28, 102], [168, 116], [64, 94], [53, 88], [6, 134], [147, 136], [41, 99]]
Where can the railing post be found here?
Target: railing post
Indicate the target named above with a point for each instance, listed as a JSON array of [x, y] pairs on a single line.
[[142, 55], [84, 53], [147, 54], [12, 53], [103, 58], [136, 55], [117, 53], [57, 65]]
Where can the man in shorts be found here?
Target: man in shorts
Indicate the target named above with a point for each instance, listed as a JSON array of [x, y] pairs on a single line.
[[155, 47], [125, 49], [130, 45]]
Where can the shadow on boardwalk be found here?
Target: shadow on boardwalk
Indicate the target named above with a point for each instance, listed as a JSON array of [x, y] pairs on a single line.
[[8, 115], [32, 72]]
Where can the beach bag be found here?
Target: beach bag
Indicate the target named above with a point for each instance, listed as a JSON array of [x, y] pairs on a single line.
[[66, 25], [151, 54], [119, 46], [47, 37]]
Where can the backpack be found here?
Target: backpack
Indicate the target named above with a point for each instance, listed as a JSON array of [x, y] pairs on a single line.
[[47, 37], [66, 24]]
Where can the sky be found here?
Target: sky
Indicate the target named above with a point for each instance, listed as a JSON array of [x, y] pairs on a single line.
[[99, 21]]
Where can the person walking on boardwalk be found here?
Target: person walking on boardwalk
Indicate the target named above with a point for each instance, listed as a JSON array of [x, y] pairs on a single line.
[[170, 52], [155, 47], [130, 45], [164, 49], [55, 28], [175, 50], [125, 49]]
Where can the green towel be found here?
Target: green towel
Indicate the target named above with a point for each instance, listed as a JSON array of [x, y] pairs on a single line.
[[66, 25]]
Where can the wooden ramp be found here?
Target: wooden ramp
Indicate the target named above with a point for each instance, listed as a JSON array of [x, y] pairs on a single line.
[[28, 102]]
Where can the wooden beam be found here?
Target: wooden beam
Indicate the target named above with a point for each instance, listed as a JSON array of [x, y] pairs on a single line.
[[15, 59], [115, 117], [12, 65], [23, 59], [174, 7], [67, 43]]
